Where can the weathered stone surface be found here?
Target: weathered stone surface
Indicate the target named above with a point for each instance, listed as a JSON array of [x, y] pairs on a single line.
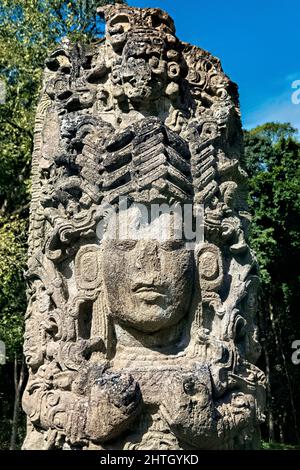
[[135, 343]]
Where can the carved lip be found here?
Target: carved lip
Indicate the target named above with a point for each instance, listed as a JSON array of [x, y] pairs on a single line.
[[141, 287], [148, 292]]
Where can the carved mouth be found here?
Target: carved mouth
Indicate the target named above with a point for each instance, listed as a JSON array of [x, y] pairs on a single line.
[[149, 293]]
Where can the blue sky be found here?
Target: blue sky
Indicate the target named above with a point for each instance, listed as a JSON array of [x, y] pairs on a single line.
[[258, 44]]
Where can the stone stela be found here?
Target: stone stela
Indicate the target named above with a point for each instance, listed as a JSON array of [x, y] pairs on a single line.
[[139, 343]]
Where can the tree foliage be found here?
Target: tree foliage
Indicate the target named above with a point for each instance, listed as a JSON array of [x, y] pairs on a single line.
[[273, 162], [274, 131]]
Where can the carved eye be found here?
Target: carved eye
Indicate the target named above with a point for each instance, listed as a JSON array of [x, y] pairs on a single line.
[[172, 245], [156, 21], [85, 96], [173, 70], [119, 20], [115, 76], [189, 387], [125, 245]]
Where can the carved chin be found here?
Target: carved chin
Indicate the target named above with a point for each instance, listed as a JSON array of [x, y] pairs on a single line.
[[157, 318]]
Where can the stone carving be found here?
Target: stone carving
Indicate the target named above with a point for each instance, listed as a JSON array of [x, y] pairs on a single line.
[[133, 342]]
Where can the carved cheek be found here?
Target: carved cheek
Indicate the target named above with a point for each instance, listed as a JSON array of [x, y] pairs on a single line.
[[202, 397], [183, 265]]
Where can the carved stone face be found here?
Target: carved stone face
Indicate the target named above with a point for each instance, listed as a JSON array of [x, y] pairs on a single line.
[[148, 281]]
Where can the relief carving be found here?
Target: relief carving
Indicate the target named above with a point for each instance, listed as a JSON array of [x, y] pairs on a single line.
[[135, 341]]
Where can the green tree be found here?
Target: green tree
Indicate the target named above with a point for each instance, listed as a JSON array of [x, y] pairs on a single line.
[[274, 131], [272, 158], [29, 29]]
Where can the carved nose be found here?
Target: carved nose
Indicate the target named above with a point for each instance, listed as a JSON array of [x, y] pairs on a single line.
[[148, 258]]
